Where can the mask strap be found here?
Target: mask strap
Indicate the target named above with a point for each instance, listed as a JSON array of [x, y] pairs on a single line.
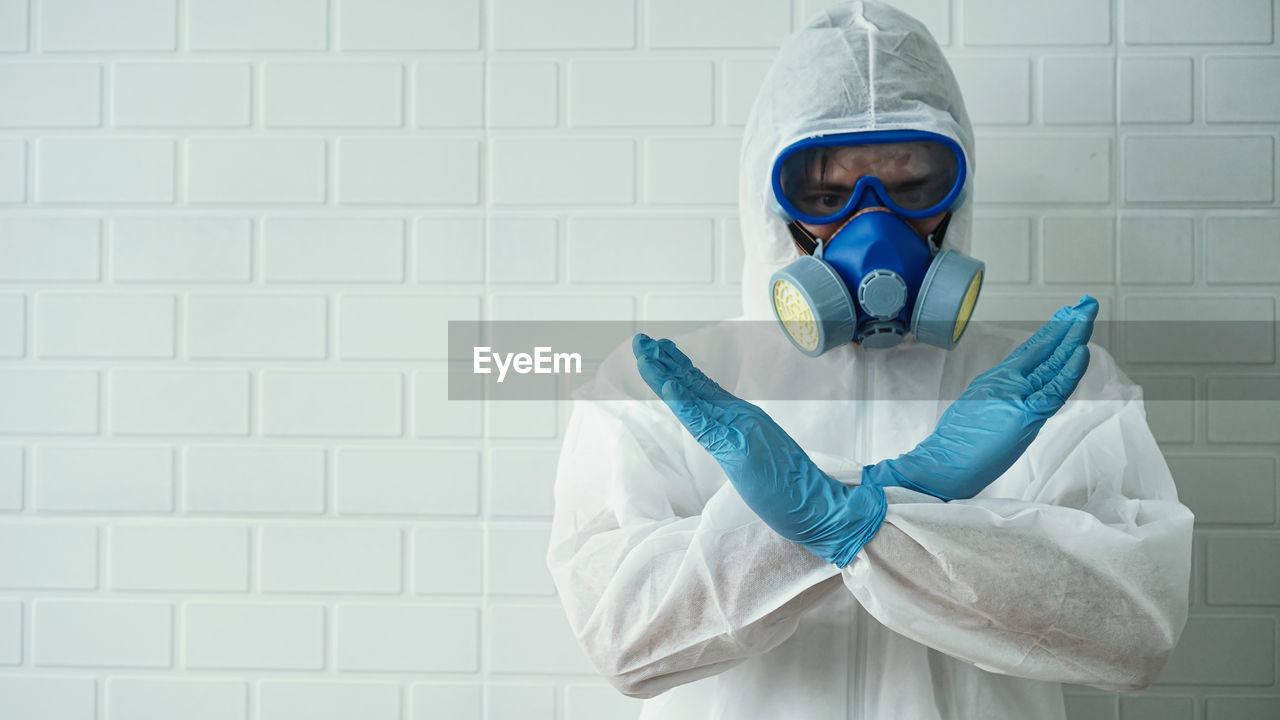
[[935, 238], [806, 241]]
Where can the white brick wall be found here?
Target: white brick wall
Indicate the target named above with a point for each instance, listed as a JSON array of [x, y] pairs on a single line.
[[138, 698], [232, 233], [187, 94], [245, 635]]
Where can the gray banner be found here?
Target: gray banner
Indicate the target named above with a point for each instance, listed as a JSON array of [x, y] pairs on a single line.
[[1232, 361]]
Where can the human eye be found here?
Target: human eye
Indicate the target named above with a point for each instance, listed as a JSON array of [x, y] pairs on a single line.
[[828, 201], [915, 193], [823, 201]]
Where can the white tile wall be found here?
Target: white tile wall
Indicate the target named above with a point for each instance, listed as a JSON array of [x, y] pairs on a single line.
[[640, 92], [459, 571], [407, 481], [1004, 244], [1174, 22], [75, 546], [417, 638], [253, 480], [536, 702], [345, 558], [232, 233], [742, 80], [247, 326], [90, 170], [1232, 651], [1155, 89], [320, 249], [12, 325], [104, 325], [13, 25], [1044, 168], [522, 93], [431, 700], [47, 400], [448, 94], [51, 95], [563, 24], [997, 90], [717, 23], [283, 699], [102, 633], [548, 645], [1227, 489], [118, 25], [181, 249], [178, 401], [583, 702], [448, 250], [10, 632], [349, 94], [118, 478], [13, 172], [691, 171], [1012, 22], [187, 94], [332, 402], [1156, 249], [1078, 250], [523, 249], [11, 474], [1200, 169], [34, 696], [168, 557], [418, 172], [1078, 89], [640, 250], [1242, 89], [137, 698], [226, 25], [408, 25], [50, 249], [224, 170], [253, 636], [555, 171]]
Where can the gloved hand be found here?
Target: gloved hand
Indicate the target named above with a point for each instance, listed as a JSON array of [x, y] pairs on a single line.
[[774, 476], [994, 420]]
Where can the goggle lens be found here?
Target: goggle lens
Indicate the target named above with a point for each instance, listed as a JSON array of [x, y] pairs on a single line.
[[916, 176]]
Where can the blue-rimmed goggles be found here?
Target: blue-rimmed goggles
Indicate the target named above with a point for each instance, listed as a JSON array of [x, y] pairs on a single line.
[[822, 179]]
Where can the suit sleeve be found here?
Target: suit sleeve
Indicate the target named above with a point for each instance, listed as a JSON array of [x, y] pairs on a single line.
[[1073, 567], [661, 586]]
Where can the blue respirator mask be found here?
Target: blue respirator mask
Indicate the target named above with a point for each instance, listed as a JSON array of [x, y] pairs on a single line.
[[876, 277]]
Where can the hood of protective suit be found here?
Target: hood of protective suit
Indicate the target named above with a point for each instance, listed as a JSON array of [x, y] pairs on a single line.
[[863, 66]]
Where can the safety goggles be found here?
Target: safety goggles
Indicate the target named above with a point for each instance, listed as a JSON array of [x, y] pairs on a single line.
[[822, 179]]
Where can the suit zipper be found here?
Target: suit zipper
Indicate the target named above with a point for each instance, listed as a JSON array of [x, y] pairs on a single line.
[[863, 448]]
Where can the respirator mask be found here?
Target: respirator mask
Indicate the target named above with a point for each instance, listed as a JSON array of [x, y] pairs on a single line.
[[876, 278]]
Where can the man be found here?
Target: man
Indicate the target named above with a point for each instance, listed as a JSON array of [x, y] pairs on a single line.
[[886, 553]]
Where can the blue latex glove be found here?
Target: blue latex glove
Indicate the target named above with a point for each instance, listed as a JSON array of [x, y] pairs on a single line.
[[774, 476], [994, 420]]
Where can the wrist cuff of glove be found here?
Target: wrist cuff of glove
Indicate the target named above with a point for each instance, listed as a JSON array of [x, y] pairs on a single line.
[[886, 473], [870, 501]]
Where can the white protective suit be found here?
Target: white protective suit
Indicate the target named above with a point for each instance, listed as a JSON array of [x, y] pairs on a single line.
[[1072, 567]]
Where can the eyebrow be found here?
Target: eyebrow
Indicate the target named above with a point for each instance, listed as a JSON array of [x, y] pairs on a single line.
[[827, 187], [908, 184]]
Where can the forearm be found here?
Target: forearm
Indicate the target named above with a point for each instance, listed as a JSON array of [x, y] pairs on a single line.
[[660, 606], [656, 598], [1030, 590]]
